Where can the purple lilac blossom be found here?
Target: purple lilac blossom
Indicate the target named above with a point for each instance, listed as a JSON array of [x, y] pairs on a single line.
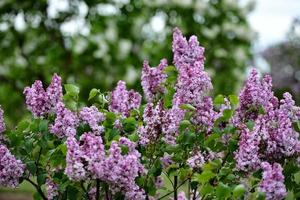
[[65, 122], [55, 91], [120, 171], [123, 101], [75, 168], [41, 102], [166, 160], [196, 161], [247, 155], [193, 83], [171, 123], [37, 100], [153, 116], [82, 155], [11, 169], [152, 79], [272, 183], [93, 117], [52, 189], [255, 95]]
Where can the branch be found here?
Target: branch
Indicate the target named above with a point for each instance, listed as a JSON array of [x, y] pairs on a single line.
[[97, 189], [39, 190], [173, 191]]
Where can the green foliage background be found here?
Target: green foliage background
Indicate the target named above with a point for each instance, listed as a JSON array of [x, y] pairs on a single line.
[[119, 38]]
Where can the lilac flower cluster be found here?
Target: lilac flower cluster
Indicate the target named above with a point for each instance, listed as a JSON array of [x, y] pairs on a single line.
[[272, 183], [255, 95], [247, 156], [87, 159], [153, 117], [93, 117], [273, 136], [81, 157], [192, 85], [123, 101], [153, 78], [196, 161], [65, 122], [11, 169], [41, 102], [120, 170], [52, 189]]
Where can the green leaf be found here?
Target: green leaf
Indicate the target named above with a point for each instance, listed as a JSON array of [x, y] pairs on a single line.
[[134, 137], [187, 107], [222, 191], [205, 176], [31, 167], [219, 100], [43, 125], [129, 124], [227, 114], [239, 190], [234, 100], [206, 189], [72, 90], [63, 148], [23, 125], [41, 179], [93, 93]]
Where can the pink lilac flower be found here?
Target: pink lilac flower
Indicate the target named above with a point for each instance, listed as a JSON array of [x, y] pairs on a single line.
[[152, 79], [93, 117], [120, 170], [65, 122], [204, 115], [37, 100], [166, 160], [171, 123], [193, 83], [159, 182], [41, 102], [74, 166], [92, 149], [272, 183], [247, 156], [11, 169], [52, 189], [82, 155], [151, 131], [123, 101], [254, 96], [280, 137], [187, 52], [196, 161], [54, 91]]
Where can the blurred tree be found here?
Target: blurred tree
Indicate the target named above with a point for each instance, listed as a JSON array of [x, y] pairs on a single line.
[[284, 59], [94, 43]]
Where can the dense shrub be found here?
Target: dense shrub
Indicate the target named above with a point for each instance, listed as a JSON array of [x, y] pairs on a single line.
[[180, 144]]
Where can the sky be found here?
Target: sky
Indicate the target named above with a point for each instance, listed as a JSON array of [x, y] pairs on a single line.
[[272, 20]]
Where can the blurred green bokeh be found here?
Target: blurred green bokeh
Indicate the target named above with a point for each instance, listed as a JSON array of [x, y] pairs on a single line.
[[96, 43]]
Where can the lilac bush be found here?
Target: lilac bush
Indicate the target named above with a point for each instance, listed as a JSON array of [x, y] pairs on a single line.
[[177, 143]]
